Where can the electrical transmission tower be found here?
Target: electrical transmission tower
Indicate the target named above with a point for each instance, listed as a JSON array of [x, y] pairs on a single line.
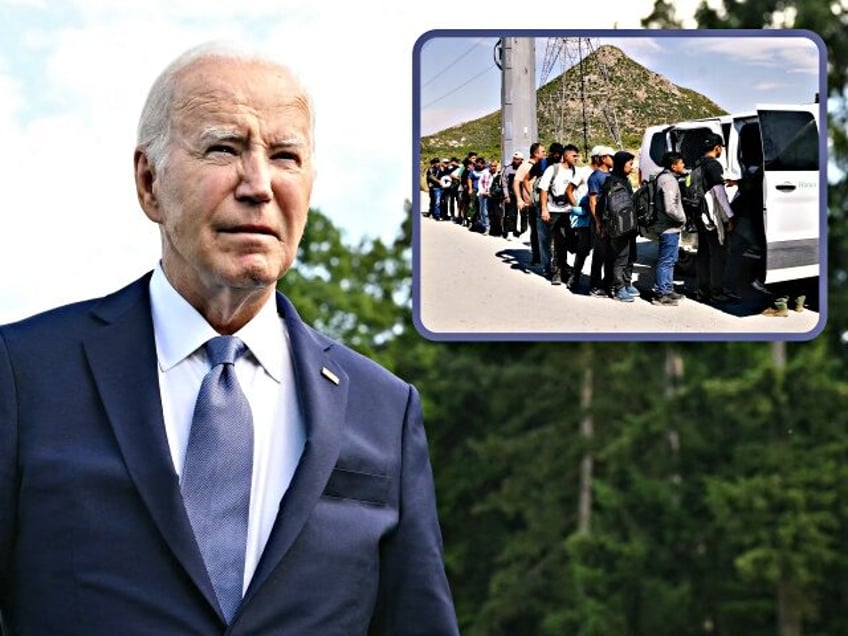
[[585, 92]]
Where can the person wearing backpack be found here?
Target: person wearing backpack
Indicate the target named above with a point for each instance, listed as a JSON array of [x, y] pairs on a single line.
[[555, 208], [670, 221], [619, 226], [495, 199], [510, 205], [539, 250], [713, 219], [434, 185], [580, 219], [601, 157]]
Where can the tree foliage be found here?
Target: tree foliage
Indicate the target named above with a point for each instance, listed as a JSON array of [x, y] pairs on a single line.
[[719, 483]]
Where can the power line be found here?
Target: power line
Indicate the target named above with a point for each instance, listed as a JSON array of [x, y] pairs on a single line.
[[451, 64], [465, 83]]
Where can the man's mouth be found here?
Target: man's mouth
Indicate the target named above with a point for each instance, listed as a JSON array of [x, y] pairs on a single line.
[[250, 229]]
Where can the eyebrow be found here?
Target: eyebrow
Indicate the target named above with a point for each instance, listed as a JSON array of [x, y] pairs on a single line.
[[227, 134]]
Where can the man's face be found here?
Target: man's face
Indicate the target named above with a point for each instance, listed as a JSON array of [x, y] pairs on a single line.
[[678, 167], [538, 153], [493, 168], [480, 165], [571, 157], [516, 161], [606, 160], [233, 197]]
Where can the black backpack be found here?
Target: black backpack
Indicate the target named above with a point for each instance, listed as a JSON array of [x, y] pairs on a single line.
[[617, 213], [496, 191], [647, 203], [692, 190]]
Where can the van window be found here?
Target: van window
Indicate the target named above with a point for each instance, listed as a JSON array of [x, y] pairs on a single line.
[[790, 140], [658, 148]]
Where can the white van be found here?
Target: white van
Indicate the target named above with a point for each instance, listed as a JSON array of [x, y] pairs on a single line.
[[783, 140]]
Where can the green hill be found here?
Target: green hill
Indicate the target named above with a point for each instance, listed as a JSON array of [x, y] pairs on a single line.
[[618, 90]]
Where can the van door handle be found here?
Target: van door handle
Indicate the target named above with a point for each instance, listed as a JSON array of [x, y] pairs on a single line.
[[786, 187]]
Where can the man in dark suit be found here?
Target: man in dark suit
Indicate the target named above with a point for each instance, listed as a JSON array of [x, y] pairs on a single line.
[[113, 518]]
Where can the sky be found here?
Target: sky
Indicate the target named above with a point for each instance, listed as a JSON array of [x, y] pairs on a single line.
[[460, 81], [74, 75]]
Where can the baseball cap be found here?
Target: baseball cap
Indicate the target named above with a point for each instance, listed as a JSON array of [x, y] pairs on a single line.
[[712, 140], [518, 155], [600, 151]]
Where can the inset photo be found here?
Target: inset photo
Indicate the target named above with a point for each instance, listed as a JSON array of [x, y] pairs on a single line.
[[619, 185]]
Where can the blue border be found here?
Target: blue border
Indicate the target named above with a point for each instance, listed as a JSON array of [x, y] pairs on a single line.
[[606, 336]]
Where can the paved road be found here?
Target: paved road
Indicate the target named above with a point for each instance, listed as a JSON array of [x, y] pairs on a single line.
[[473, 285]]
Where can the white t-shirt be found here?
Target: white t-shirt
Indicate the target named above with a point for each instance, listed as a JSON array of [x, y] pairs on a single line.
[[580, 181], [563, 175]]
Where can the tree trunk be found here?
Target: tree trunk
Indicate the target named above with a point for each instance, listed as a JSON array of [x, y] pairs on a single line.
[[789, 594], [789, 619], [673, 384], [587, 432]]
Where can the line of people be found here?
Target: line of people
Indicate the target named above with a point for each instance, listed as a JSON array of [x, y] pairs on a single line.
[[569, 207]]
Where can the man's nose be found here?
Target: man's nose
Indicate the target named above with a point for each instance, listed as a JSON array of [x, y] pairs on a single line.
[[255, 178]]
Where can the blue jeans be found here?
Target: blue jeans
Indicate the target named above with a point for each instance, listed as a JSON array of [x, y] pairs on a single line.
[[484, 210], [666, 259], [435, 202]]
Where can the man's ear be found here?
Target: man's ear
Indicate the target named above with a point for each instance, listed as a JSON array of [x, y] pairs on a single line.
[[145, 178]]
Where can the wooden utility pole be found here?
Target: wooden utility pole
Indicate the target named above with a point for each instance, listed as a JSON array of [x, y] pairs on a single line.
[[516, 58]]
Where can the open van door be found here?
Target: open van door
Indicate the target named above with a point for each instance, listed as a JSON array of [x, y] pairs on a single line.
[[791, 181], [687, 138]]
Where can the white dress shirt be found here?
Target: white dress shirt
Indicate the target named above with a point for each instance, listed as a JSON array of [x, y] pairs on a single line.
[[266, 376]]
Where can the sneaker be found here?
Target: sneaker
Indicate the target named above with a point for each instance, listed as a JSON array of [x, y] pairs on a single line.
[[622, 296], [665, 301], [597, 292], [630, 289], [756, 284], [675, 296], [732, 296], [556, 279], [571, 283], [702, 297], [720, 297]]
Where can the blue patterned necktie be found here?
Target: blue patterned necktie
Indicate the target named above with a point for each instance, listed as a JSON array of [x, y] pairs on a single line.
[[217, 472]]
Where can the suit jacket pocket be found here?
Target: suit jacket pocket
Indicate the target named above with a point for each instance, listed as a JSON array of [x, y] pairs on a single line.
[[350, 484]]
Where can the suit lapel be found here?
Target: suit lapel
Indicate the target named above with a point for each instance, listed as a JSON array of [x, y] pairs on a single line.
[[322, 388], [123, 362]]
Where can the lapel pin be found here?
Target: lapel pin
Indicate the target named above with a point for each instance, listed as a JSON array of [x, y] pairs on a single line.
[[332, 377]]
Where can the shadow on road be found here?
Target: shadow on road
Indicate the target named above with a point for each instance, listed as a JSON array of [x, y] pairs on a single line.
[[751, 302]]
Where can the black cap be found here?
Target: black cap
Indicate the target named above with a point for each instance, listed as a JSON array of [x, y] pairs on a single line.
[[433, 161], [711, 141]]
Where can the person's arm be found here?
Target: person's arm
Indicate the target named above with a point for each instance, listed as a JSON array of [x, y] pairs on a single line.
[[593, 210], [413, 595], [670, 192], [569, 193], [543, 203], [516, 187], [527, 186]]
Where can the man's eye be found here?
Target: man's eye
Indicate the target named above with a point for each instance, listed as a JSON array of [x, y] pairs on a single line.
[[286, 155], [221, 148]]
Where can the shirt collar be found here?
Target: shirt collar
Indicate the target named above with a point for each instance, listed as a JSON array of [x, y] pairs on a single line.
[[180, 330]]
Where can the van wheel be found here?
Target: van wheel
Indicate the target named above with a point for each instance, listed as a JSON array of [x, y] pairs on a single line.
[[685, 263]]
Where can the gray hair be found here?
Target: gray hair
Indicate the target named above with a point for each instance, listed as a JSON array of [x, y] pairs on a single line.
[[154, 124]]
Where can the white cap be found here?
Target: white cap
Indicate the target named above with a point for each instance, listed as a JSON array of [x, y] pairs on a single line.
[[518, 155], [600, 151]]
